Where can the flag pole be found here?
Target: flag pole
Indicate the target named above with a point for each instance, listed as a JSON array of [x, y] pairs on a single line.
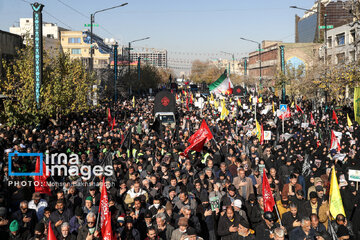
[[98, 215], [277, 213]]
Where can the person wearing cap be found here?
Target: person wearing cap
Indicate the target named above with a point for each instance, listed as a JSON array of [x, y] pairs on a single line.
[[265, 230], [304, 231], [77, 221], [26, 218], [317, 182], [15, 233], [237, 204], [181, 230], [38, 205], [89, 207]]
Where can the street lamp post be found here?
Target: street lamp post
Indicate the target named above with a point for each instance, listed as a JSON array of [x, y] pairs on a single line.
[[259, 46], [325, 40], [92, 20], [129, 59]]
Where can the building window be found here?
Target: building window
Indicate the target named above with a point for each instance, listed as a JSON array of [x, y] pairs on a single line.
[[74, 40], [50, 35], [329, 42], [75, 51], [340, 39], [352, 36], [340, 58], [352, 56]]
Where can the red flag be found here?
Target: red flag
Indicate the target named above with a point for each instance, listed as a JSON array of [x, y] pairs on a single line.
[[105, 215], [269, 202], [40, 182], [197, 145], [312, 121], [262, 135], [299, 109], [113, 123], [191, 99], [334, 117], [109, 117], [187, 103], [199, 138], [286, 114], [51, 234], [335, 142]]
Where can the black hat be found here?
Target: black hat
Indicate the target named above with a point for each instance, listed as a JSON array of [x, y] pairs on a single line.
[[269, 216], [313, 195], [319, 188]]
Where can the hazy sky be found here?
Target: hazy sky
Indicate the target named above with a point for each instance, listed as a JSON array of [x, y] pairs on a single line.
[[183, 27]]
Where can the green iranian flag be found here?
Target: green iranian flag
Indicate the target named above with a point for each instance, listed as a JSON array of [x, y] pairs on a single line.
[[221, 85]]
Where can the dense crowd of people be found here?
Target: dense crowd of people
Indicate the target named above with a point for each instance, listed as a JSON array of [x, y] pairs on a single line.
[[157, 192]]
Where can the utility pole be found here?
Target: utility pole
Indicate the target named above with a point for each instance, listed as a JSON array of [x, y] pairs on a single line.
[[129, 59], [325, 56], [261, 87], [115, 69]]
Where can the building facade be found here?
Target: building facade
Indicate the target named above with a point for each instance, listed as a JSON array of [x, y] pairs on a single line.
[[342, 44], [296, 54], [307, 27], [9, 45], [234, 66], [77, 44], [154, 57]]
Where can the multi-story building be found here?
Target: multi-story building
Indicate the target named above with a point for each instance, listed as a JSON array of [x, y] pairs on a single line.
[[51, 32], [294, 53], [307, 27], [25, 29], [77, 44], [154, 57], [9, 44], [341, 44]]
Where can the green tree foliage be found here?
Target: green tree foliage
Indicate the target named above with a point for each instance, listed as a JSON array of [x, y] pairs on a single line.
[[65, 88]]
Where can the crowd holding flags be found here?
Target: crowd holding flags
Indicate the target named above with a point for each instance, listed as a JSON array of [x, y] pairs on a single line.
[[105, 215], [41, 185]]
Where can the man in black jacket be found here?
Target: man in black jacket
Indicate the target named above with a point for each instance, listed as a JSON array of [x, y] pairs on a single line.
[[291, 219], [60, 216], [265, 230], [25, 217], [228, 224], [89, 228]]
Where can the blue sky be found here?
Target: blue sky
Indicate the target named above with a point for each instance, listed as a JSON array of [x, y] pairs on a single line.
[[183, 27]]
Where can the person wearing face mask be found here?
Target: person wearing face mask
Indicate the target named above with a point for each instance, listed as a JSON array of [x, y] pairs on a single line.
[[156, 206]]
